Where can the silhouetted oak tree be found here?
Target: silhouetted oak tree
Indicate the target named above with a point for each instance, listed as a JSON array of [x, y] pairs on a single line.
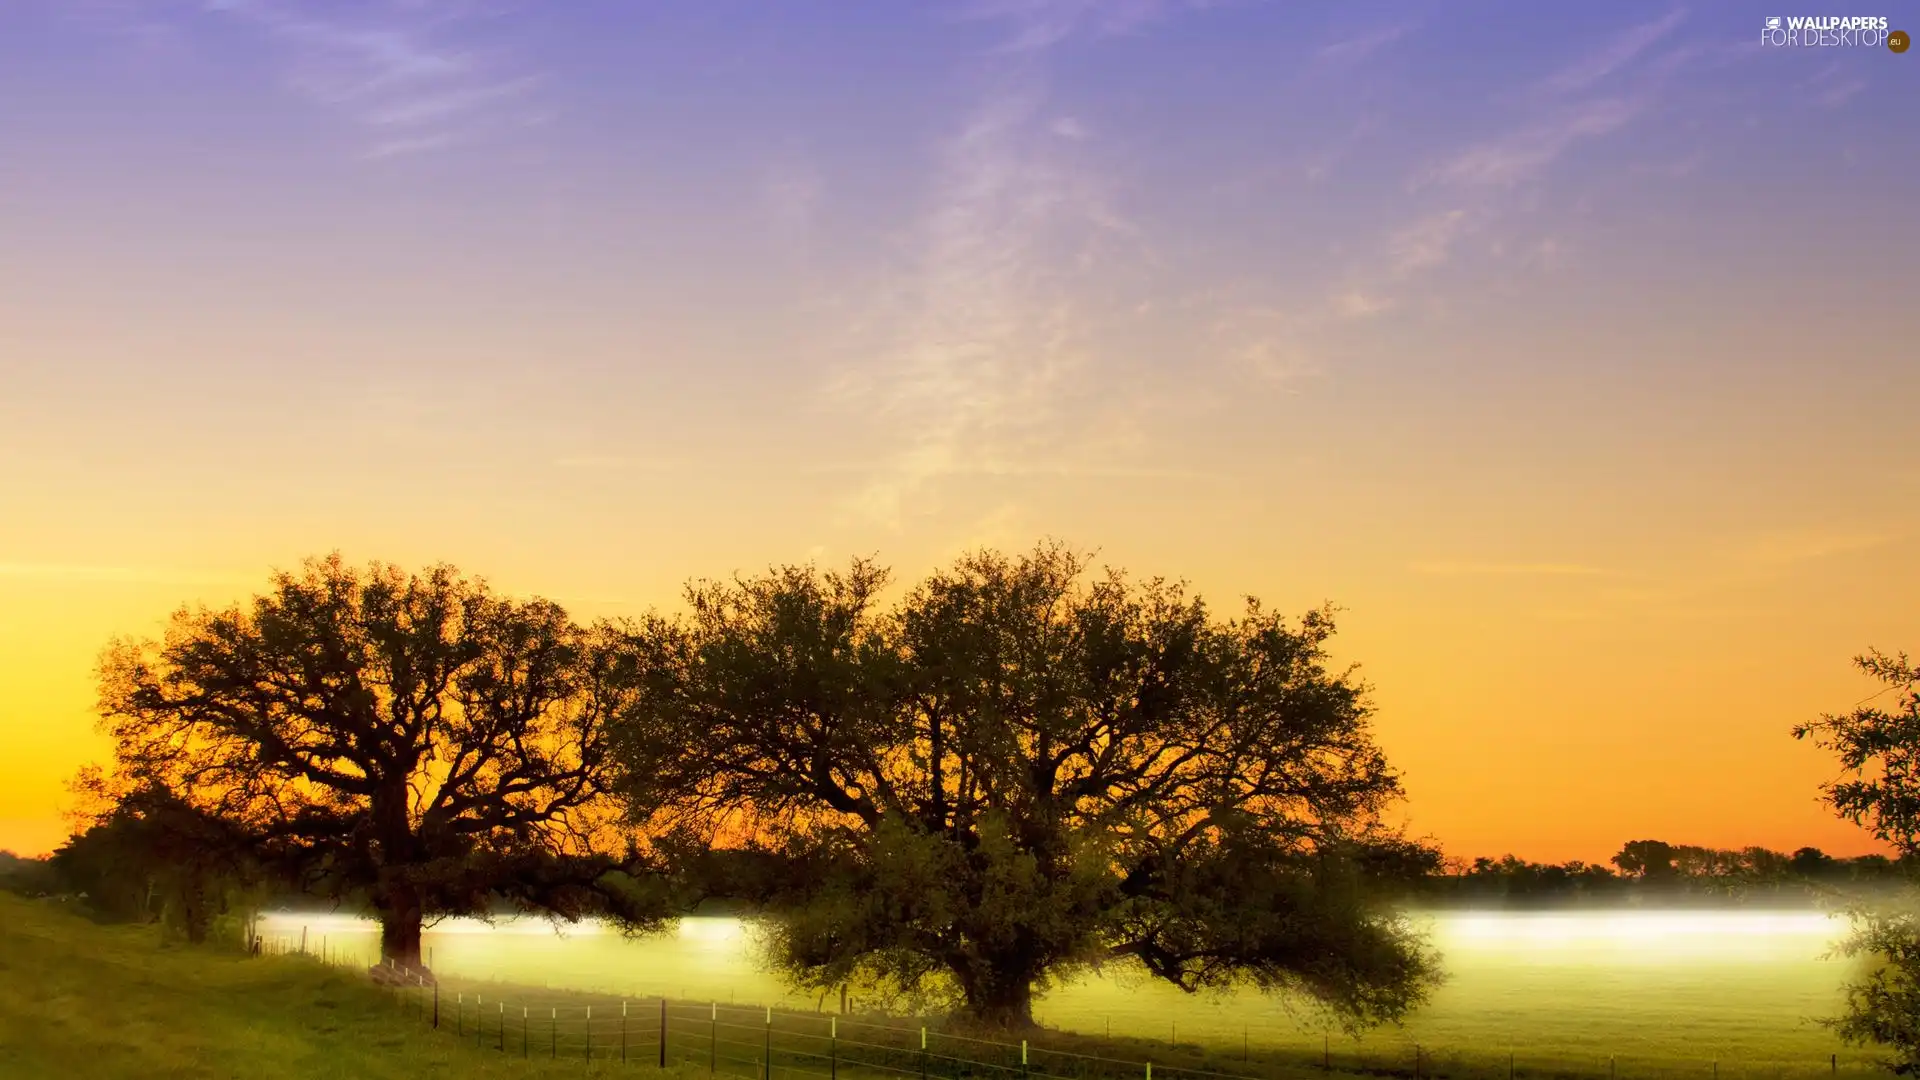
[[1879, 752], [1017, 772], [414, 739]]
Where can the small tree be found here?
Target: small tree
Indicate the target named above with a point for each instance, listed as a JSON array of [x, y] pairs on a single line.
[[411, 738], [1649, 860], [1879, 752], [150, 855], [1016, 774]]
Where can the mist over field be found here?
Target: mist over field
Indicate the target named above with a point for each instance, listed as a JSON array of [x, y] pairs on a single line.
[[1735, 985]]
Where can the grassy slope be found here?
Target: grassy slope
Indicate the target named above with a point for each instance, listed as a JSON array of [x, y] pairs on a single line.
[[84, 1001]]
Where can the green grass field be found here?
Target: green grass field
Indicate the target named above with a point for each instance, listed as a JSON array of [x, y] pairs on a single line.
[[80, 1001]]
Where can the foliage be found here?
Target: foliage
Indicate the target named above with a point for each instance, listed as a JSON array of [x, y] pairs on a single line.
[[1016, 772], [153, 855], [413, 738], [1879, 752]]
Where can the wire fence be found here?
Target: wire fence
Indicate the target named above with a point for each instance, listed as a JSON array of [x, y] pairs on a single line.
[[762, 1042]]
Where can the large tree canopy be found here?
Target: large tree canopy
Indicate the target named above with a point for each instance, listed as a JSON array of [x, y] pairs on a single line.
[[414, 739], [1021, 769]]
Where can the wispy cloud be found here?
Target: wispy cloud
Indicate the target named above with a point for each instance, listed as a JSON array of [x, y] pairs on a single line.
[[1352, 50], [616, 463], [1037, 25], [1321, 165], [144, 23], [1780, 549], [1523, 154], [1686, 165], [1622, 51], [991, 316], [1468, 193], [1836, 84], [1720, 580], [1426, 243], [410, 72], [1356, 304], [1268, 342], [107, 574], [1476, 188], [1581, 101], [1082, 470], [1477, 569], [1068, 127], [790, 195]]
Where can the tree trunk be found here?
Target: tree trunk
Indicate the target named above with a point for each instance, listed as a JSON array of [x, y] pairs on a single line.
[[999, 992], [1007, 1006], [193, 907], [400, 918], [395, 899]]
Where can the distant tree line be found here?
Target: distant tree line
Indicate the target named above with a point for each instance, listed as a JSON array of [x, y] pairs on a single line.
[[1656, 873], [125, 877]]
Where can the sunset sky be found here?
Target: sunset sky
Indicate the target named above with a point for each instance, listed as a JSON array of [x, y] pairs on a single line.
[[1569, 348]]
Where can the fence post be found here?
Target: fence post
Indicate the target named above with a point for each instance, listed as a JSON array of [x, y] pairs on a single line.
[[623, 1031], [459, 1013], [523, 1032], [479, 1023], [303, 941], [553, 1033], [1833, 1063], [1149, 1070], [923, 1052], [768, 1064], [833, 1047], [663, 1031], [589, 1033], [713, 1038], [1609, 1068], [1023, 1061], [503, 1027], [436, 1004]]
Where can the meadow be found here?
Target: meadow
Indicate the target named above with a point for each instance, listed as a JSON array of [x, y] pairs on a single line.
[[1699, 994]]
